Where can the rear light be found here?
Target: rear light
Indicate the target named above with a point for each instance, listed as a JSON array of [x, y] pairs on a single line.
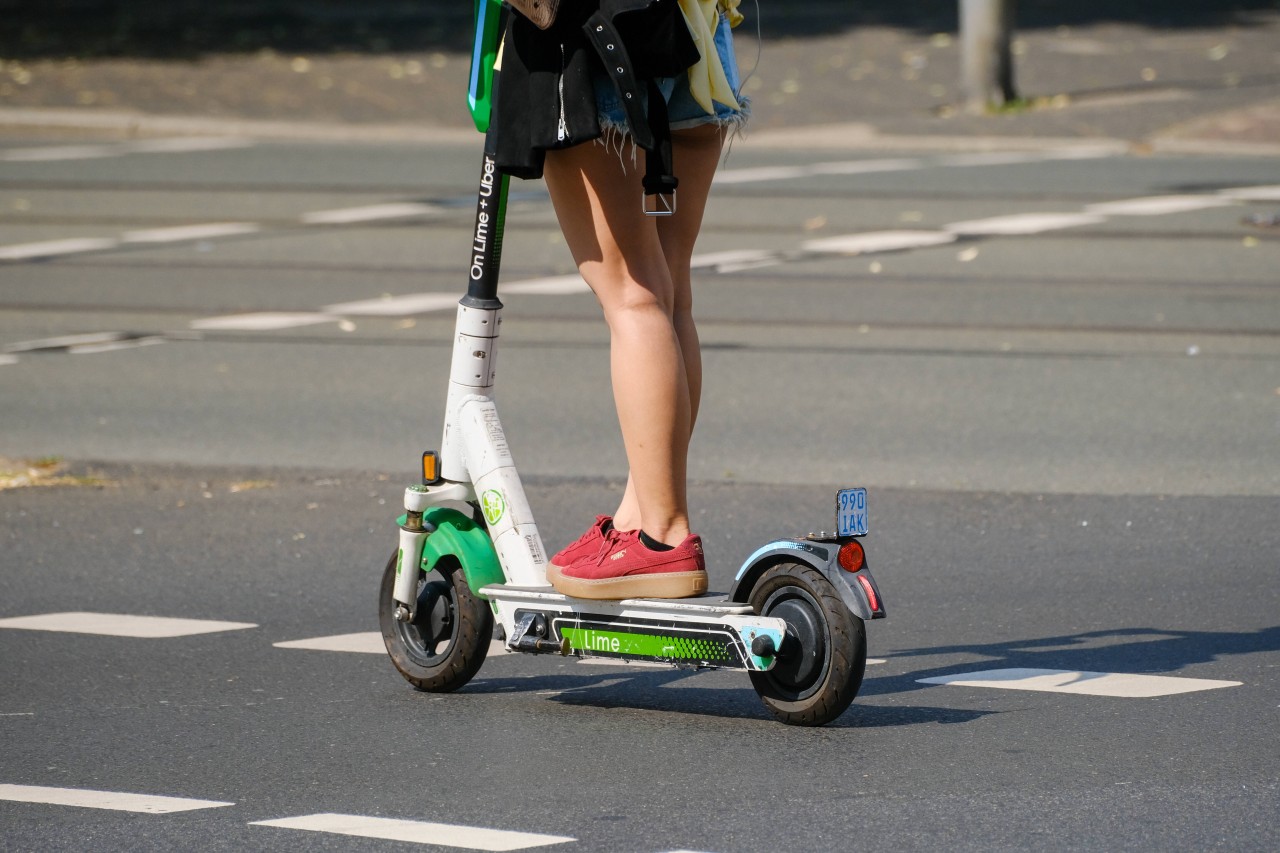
[[871, 593], [851, 557]]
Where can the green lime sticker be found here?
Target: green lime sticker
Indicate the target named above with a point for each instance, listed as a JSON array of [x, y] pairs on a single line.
[[493, 506]]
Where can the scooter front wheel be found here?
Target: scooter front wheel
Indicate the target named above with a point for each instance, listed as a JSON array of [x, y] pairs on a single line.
[[445, 644], [823, 656]]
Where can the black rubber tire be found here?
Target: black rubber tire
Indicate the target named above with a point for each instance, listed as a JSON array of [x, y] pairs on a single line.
[[823, 655], [444, 646]]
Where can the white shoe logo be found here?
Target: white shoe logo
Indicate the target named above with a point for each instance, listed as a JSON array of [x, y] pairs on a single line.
[[619, 555]]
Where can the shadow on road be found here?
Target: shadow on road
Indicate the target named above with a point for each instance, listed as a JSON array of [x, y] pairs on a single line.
[[190, 29]]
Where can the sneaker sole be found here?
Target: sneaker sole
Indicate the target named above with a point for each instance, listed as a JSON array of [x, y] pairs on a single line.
[[656, 585]]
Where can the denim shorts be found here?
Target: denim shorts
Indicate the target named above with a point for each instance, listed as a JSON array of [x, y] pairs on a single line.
[[683, 110]]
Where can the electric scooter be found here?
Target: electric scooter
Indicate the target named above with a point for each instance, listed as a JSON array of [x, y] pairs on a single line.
[[793, 619]]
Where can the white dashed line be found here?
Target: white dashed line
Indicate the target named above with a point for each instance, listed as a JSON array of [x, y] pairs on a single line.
[[365, 642], [114, 346], [551, 286], [418, 832], [66, 341], [120, 625], [1158, 205], [113, 800], [265, 321], [53, 248], [1114, 684], [370, 213], [8, 359], [57, 153], [878, 241], [191, 232], [395, 306], [1265, 193], [1023, 223]]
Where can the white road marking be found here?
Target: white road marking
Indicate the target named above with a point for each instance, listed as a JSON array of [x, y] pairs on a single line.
[[1263, 193], [866, 167], [179, 233], [368, 213], [365, 642], [52, 248], [878, 241], [735, 260], [1087, 683], [120, 625], [65, 341], [556, 285], [8, 359], [58, 152], [264, 321], [873, 661], [187, 144], [132, 343], [113, 800], [419, 832], [1023, 223], [1158, 205], [395, 306]]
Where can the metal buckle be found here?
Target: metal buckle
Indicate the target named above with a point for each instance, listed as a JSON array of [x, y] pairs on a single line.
[[663, 204]]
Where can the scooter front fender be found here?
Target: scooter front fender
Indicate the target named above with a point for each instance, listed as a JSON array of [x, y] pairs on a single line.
[[865, 602]]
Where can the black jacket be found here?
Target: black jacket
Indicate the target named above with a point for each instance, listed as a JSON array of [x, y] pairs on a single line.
[[545, 96]]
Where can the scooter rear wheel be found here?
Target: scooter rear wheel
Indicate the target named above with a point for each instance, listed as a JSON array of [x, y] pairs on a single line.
[[823, 656], [445, 644]]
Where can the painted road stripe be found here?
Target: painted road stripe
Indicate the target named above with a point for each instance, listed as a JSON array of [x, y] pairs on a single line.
[[8, 359], [396, 306], [120, 625], [1023, 223], [418, 832], [113, 800], [866, 167], [58, 152], [735, 260], [66, 341], [556, 285], [1158, 205], [187, 144], [364, 642], [179, 233], [51, 248], [1087, 683], [878, 241], [368, 213], [265, 321], [1263, 193], [131, 343]]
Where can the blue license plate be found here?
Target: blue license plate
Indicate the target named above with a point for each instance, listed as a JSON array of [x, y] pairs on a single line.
[[851, 512]]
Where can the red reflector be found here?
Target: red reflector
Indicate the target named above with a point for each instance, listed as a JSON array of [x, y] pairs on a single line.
[[850, 557], [871, 593]]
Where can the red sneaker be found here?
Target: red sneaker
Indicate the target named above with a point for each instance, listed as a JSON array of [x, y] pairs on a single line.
[[586, 545], [622, 567]]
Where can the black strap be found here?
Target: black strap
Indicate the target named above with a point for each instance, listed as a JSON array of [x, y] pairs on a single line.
[[652, 132]]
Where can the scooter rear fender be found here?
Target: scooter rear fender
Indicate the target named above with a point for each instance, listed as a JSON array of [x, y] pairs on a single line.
[[822, 557]]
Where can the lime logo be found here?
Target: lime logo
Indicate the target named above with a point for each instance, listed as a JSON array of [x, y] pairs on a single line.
[[493, 506]]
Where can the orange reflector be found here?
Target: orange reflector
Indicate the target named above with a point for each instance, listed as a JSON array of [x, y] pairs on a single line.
[[851, 556], [430, 467]]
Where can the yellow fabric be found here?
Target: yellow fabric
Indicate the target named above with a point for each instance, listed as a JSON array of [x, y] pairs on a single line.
[[707, 81]]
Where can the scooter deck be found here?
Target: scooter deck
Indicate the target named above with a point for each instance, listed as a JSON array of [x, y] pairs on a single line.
[[704, 631], [710, 604]]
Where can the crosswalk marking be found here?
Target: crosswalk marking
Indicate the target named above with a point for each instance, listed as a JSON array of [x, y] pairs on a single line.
[[112, 800], [418, 832], [120, 625], [1116, 684]]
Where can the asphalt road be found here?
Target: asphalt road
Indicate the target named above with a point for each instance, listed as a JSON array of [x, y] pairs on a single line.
[[1069, 426]]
